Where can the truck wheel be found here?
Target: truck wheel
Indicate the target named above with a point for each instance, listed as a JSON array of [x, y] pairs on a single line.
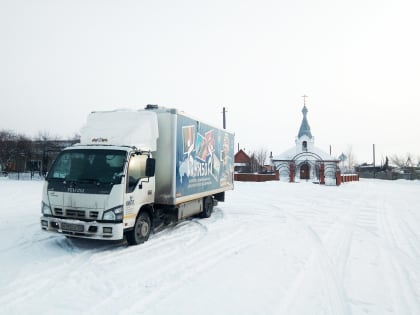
[[207, 207], [141, 231]]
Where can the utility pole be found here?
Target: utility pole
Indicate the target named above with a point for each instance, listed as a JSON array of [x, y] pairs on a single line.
[[373, 155], [224, 118], [374, 171]]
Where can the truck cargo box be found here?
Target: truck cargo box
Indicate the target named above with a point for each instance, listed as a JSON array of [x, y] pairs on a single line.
[[193, 159]]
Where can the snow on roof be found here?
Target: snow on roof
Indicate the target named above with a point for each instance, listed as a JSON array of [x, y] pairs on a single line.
[[122, 127], [293, 152]]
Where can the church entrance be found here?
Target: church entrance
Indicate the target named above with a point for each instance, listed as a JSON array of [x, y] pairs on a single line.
[[304, 171]]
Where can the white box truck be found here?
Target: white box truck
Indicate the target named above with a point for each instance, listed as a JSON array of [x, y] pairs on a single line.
[[134, 169]]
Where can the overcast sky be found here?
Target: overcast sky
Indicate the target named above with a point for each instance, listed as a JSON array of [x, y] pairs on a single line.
[[358, 61]]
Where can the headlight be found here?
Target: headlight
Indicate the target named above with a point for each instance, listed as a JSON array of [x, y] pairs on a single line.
[[45, 209], [114, 214]]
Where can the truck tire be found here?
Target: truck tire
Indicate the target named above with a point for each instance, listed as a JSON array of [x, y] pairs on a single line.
[[207, 207], [141, 230]]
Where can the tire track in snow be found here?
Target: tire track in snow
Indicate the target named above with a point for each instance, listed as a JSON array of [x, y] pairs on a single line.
[[147, 273], [65, 265], [161, 275], [325, 267], [399, 267], [339, 238], [166, 241], [30, 281], [406, 238]]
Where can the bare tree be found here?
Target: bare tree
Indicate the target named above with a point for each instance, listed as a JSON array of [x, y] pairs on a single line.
[[5, 147], [397, 160], [46, 136], [261, 157], [76, 136], [252, 164], [45, 144], [14, 147], [20, 153], [257, 160], [403, 160], [351, 158]]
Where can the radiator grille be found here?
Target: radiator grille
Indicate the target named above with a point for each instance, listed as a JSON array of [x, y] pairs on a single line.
[[93, 214], [76, 214]]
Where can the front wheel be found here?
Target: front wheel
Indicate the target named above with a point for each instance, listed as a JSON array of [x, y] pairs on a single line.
[[141, 231]]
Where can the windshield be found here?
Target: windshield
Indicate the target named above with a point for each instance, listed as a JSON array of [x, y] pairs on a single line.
[[87, 165]]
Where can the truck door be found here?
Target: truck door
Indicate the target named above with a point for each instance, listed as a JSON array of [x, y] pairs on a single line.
[[139, 188]]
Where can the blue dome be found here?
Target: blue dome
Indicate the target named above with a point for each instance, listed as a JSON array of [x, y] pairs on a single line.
[[305, 130]]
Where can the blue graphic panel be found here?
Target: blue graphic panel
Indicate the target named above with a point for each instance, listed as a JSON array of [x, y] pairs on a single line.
[[204, 157]]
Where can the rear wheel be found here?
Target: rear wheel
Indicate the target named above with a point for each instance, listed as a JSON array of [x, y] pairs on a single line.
[[207, 207], [141, 231]]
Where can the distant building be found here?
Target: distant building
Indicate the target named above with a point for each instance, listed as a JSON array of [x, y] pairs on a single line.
[[244, 166], [304, 161], [242, 162]]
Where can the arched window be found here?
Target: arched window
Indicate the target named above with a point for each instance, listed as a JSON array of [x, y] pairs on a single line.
[[304, 146]]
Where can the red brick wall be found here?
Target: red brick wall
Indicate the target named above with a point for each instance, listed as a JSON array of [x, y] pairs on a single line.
[[251, 177], [349, 178]]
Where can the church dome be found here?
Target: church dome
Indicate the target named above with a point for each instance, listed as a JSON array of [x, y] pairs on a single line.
[[304, 129]]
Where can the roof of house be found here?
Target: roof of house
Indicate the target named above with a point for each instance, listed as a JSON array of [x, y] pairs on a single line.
[[241, 157]]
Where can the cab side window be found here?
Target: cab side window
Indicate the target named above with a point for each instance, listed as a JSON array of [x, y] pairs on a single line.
[[136, 171]]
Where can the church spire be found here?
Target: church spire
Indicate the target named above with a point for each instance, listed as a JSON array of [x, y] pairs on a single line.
[[305, 130]]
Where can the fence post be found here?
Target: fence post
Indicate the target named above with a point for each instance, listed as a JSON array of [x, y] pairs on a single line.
[[338, 177], [322, 174], [292, 172]]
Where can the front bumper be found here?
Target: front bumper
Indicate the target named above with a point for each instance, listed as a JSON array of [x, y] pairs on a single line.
[[76, 228]]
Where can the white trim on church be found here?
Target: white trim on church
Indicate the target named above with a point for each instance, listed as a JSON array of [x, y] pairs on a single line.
[[304, 161]]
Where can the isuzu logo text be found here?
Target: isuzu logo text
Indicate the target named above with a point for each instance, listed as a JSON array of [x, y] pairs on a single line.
[[76, 190]]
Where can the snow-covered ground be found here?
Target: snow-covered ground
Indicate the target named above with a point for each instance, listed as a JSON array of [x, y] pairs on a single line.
[[271, 248]]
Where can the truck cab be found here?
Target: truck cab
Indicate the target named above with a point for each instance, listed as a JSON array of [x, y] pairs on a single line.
[[97, 191]]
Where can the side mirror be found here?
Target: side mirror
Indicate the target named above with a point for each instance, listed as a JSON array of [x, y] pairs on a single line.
[[150, 167]]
